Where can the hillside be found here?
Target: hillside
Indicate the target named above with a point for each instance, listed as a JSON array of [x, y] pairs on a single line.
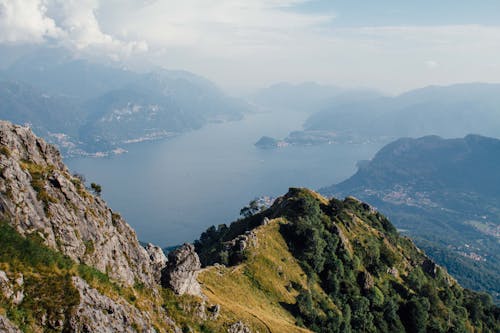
[[448, 111], [87, 108], [333, 266], [445, 194], [68, 263]]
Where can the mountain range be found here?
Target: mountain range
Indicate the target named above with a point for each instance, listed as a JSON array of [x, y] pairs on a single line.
[[447, 111], [445, 194], [86, 107]]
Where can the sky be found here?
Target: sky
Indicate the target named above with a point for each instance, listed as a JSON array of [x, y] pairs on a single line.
[[389, 45]]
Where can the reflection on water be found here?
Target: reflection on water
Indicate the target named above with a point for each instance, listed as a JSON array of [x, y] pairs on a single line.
[[170, 191]]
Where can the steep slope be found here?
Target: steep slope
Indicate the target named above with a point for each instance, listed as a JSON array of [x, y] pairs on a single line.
[[333, 266], [444, 193], [39, 196]]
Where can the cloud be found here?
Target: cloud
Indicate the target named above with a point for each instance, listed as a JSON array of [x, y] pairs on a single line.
[[431, 64], [252, 43], [71, 23], [26, 21]]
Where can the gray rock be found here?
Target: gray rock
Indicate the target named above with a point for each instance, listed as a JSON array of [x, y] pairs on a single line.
[[182, 270], [157, 260], [393, 271], [238, 327], [99, 313], [62, 211], [6, 326], [5, 286]]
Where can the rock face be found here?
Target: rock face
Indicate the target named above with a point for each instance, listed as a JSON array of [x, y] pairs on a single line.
[[7, 327], [158, 260], [238, 327], [39, 195], [98, 313], [182, 270], [11, 290]]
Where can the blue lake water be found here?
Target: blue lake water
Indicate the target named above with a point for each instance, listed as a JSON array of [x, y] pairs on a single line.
[[170, 191]]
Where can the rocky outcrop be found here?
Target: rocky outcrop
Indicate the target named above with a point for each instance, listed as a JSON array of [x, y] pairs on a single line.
[[39, 195], [12, 290], [157, 260], [238, 327], [99, 313], [181, 272], [7, 327]]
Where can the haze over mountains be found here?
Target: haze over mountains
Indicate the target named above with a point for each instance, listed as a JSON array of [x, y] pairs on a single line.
[[444, 193], [448, 111], [87, 107]]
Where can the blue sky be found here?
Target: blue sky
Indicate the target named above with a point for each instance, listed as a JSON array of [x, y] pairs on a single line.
[[388, 45], [357, 13]]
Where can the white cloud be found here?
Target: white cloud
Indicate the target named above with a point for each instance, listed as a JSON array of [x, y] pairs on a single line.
[[25, 21], [71, 23], [431, 64], [250, 43]]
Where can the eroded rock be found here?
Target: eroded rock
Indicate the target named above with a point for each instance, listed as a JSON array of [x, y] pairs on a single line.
[[238, 327], [6, 326], [39, 195], [181, 272]]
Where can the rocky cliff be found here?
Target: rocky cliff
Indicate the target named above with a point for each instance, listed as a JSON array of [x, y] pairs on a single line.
[[38, 195]]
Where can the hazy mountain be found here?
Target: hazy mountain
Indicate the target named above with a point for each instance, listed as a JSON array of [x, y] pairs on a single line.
[[450, 111], [58, 71], [97, 107], [307, 96], [446, 194]]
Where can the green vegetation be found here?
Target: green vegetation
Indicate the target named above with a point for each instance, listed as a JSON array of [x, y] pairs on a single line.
[[49, 293], [444, 193], [4, 150], [361, 275], [96, 188]]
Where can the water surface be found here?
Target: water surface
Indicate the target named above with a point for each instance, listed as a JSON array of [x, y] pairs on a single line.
[[170, 191]]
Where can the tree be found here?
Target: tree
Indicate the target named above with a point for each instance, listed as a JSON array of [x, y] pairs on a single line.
[[96, 188], [252, 209]]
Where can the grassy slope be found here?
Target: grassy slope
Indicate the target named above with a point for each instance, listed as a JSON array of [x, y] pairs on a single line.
[[258, 290]]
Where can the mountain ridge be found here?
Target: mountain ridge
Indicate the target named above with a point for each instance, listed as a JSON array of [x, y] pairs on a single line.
[[445, 193]]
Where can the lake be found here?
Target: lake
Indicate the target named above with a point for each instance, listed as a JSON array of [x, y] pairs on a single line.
[[172, 190]]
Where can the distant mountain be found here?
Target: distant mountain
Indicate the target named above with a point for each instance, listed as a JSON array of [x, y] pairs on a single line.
[[451, 111], [445, 193], [306, 96], [58, 71], [85, 107]]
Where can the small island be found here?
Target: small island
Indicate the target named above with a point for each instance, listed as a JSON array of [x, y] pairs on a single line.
[[267, 142]]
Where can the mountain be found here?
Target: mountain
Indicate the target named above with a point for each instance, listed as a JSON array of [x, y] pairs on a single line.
[[306, 96], [332, 266], [444, 193], [68, 263], [88, 108], [58, 71], [448, 111]]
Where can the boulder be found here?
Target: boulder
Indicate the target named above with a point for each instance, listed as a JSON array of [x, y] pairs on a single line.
[[6, 326], [238, 327], [181, 272], [157, 260]]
